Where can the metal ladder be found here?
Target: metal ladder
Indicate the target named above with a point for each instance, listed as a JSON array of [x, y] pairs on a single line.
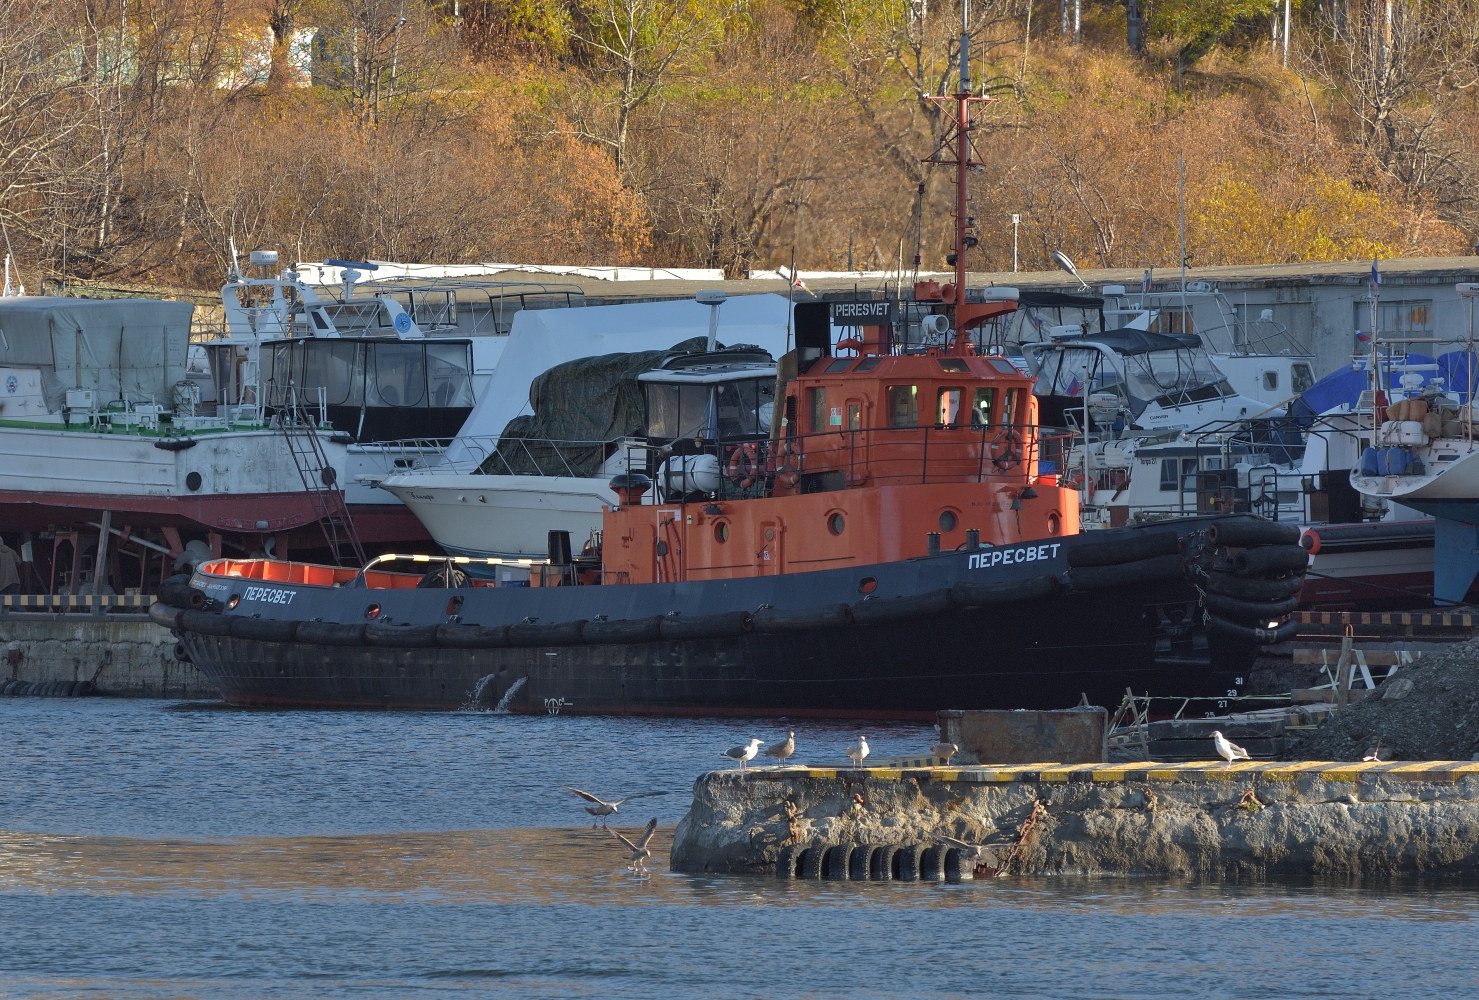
[[300, 430]]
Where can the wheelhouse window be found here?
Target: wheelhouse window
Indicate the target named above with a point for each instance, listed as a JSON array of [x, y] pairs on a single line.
[[903, 406], [818, 399], [983, 407], [948, 408]]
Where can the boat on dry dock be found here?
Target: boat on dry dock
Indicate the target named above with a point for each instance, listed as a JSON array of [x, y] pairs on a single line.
[[887, 545]]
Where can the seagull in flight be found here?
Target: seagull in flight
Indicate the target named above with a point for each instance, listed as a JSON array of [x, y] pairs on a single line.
[[1228, 751], [638, 853], [782, 750], [858, 751], [971, 852], [944, 751], [601, 808], [743, 755]]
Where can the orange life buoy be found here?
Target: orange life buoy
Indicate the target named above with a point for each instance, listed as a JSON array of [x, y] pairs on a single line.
[[787, 475], [744, 465], [1006, 448]]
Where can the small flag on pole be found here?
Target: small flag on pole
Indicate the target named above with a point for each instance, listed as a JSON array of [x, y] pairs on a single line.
[[1375, 277], [1145, 282]]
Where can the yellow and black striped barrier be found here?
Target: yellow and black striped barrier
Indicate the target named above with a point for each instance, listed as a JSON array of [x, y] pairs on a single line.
[[73, 602], [1438, 771], [1433, 619]]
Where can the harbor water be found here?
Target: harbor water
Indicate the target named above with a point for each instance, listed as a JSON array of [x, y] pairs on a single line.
[[180, 849]]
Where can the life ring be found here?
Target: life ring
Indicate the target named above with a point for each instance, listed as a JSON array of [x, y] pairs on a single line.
[[1006, 449], [744, 465], [787, 475]]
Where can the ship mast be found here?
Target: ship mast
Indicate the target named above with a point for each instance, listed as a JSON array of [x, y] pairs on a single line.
[[955, 149]]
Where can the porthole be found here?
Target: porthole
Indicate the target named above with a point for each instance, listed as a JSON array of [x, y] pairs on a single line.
[[234, 601], [373, 611], [948, 520], [721, 532], [836, 522], [1055, 524], [867, 585], [328, 475], [193, 481]]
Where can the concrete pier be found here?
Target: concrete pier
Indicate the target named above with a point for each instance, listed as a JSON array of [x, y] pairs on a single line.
[[102, 651], [1253, 820]]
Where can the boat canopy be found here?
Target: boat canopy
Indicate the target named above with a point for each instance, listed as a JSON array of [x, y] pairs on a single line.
[[1130, 341], [129, 349]]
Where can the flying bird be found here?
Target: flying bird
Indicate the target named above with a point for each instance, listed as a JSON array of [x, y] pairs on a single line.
[[944, 751], [638, 853], [782, 750], [743, 755], [601, 808], [1228, 751], [858, 751], [971, 852]]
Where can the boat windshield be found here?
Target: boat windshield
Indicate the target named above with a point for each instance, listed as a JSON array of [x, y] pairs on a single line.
[[1145, 376], [715, 411]]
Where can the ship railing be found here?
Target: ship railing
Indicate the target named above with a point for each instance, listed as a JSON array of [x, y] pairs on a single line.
[[940, 453], [506, 456]]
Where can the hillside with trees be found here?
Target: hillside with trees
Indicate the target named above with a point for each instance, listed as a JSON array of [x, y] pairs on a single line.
[[138, 138]]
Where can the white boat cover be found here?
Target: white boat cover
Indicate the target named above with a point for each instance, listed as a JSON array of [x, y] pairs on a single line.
[[134, 349], [543, 338]]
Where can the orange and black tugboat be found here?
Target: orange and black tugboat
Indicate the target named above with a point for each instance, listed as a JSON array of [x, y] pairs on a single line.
[[869, 533]]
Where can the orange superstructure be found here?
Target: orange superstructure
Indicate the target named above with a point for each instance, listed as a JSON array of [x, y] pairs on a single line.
[[881, 458]]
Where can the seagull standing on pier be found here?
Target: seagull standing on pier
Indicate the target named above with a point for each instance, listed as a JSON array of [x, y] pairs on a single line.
[[603, 809], [638, 853], [1228, 751], [782, 750], [858, 751], [944, 751], [743, 755]]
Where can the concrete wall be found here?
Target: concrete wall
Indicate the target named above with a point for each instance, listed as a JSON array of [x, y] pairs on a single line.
[[120, 654], [1254, 820]]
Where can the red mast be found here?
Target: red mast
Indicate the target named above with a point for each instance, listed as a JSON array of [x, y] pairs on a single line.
[[955, 148]]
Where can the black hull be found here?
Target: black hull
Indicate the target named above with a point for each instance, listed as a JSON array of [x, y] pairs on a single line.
[[934, 633]]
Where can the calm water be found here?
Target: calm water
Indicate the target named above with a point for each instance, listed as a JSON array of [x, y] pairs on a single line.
[[169, 850]]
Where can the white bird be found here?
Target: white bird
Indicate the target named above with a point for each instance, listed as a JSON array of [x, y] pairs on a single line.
[[1374, 753], [858, 751], [603, 809], [782, 750], [743, 755], [944, 751], [1228, 751], [972, 852], [638, 853]]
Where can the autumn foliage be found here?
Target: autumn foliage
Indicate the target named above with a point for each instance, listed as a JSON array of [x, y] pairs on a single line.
[[138, 140]]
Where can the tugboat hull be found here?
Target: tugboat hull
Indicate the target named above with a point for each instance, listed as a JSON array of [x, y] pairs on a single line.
[[1038, 625]]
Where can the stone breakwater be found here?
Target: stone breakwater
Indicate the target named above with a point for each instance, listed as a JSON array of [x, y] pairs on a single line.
[[1253, 820]]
